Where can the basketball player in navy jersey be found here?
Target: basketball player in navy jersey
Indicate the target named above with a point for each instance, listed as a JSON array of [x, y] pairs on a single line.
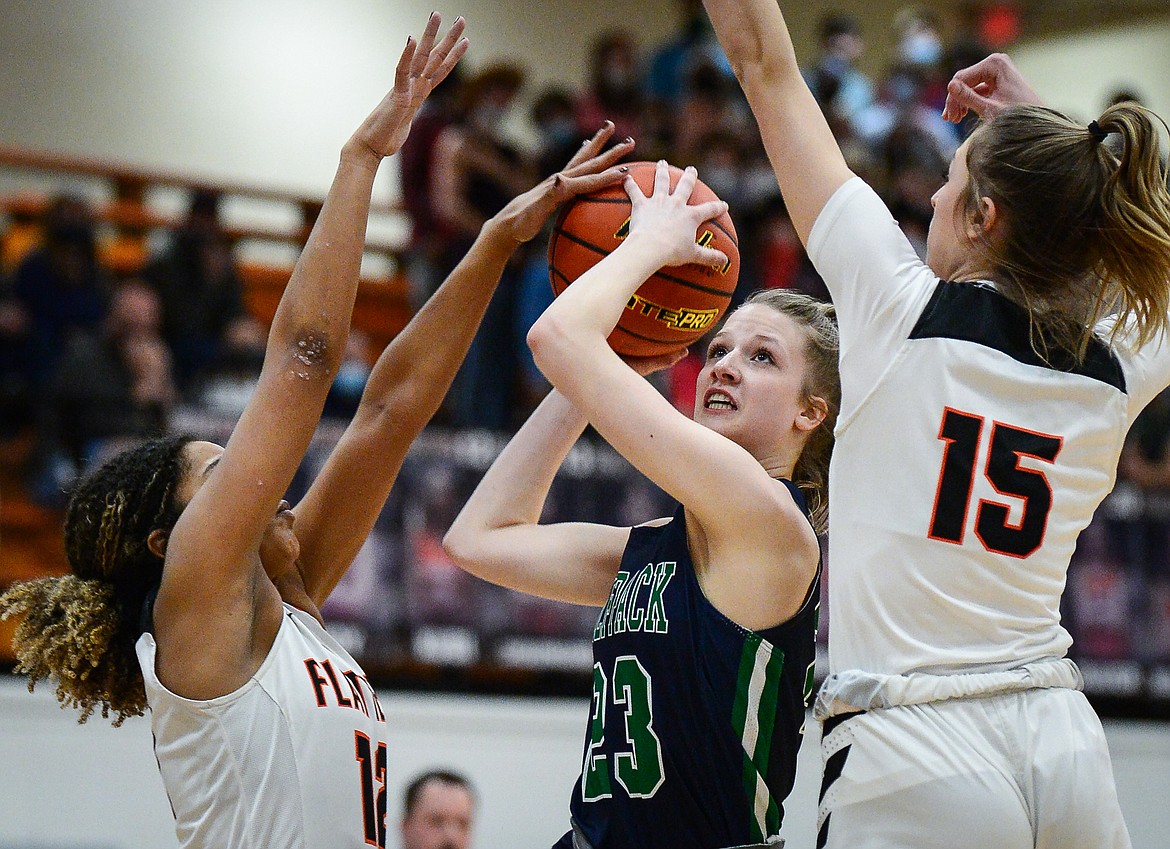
[[986, 394], [704, 647]]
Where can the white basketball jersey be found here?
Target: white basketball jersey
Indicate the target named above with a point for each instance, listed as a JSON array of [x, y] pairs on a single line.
[[965, 466], [294, 759]]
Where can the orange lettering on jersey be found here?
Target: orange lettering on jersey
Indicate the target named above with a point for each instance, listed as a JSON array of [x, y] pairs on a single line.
[[359, 698], [317, 681], [351, 689], [341, 699]]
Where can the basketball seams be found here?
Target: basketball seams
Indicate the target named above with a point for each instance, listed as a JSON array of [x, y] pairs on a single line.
[[642, 338], [577, 240], [731, 236], [688, 284]]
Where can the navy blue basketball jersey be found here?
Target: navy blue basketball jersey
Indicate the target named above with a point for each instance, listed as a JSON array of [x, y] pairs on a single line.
[[696, 720]]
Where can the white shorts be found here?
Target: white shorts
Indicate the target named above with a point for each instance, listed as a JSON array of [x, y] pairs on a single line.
[[1018, 770]]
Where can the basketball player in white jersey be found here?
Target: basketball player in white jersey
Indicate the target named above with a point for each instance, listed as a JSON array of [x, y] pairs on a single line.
[[986, 394], [196, 590]]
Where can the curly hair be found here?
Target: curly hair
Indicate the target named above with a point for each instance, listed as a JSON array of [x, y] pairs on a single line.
[[80, 629], [822, 380]]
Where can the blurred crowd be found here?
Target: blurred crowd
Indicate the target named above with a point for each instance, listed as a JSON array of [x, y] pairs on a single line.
[[90, 359], [475, 146]]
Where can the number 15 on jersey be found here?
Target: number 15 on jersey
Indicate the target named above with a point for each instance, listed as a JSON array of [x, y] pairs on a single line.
[[1006, 446]]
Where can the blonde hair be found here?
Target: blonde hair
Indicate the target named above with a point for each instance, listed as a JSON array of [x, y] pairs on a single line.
[[822, 380], [1087, 223]]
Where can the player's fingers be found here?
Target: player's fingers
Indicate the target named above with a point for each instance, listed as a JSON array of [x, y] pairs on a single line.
[[662, 178], [686, 183], [437, 75], [402, 72], [961, 96], [602, 160], [709, 209], [634, 191], [448, 51], [987, 69], [586, 183], [592, 145], [710, 257], [423, 54]]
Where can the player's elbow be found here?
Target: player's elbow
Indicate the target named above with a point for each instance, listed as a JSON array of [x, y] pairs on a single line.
[[461, 544], [313, 353], [549, 339]]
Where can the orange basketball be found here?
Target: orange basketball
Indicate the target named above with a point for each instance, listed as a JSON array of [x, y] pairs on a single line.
[[679, 303]]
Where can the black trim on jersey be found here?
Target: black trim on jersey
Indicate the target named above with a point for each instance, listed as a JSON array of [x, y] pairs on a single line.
[[977, 312], [823, 834], [834, 766], [830, 724]]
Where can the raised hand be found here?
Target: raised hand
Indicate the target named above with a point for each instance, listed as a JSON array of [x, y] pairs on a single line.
[[422, 66], [666, 219], [987, 88], [590, 169]]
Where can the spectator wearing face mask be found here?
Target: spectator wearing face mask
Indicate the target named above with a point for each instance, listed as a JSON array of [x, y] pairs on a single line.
[[614, 92], [554, 122], [672, 62], [112, 385], [920, 47], [416, 161], [476, 169], [839, 86], [901, 107], [204, 319]]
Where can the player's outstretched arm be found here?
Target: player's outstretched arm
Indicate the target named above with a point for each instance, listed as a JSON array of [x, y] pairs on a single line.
[[412, 374], [498, 536], [214, 603], [805, 156]]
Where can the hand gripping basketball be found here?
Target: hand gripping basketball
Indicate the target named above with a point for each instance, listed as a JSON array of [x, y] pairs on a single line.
[[678, 304]]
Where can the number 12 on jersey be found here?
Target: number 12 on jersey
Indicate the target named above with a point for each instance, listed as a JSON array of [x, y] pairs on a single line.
[[372, 765], [638, 769], [963, 434]]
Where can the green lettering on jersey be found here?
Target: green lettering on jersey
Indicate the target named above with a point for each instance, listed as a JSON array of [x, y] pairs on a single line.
[[636, 615], [625, 609], [620, 598], [604, 627], [656, 621]]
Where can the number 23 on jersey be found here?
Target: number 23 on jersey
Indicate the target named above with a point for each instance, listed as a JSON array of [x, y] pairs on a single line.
[[637, 766]]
